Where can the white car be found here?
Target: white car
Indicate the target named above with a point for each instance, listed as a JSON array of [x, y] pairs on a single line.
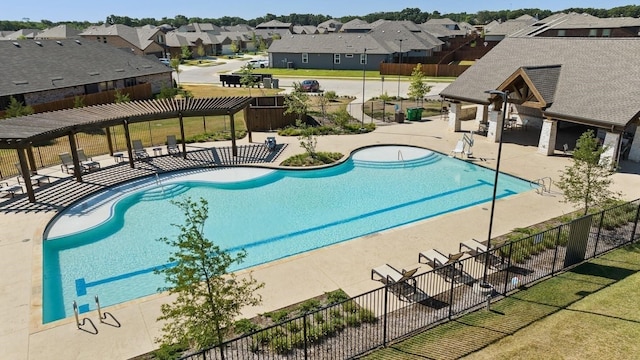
[[165, 61], [258, 63]]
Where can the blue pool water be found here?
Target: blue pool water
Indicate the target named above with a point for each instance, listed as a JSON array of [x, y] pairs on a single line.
[[270, 213]]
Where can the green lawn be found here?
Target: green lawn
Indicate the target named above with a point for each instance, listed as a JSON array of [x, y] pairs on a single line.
[[590, 312], [321, 73]]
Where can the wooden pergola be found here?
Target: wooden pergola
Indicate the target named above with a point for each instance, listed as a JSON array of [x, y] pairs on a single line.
[[20, 133]]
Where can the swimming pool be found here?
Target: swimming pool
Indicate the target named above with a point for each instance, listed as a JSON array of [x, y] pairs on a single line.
[[107, 245]]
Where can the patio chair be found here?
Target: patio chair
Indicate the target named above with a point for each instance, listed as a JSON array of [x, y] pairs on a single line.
[[479, 250], [86, 162], [5, 188], [172, 145], [400, 282], [34, 178], [139, 153], [67, 163], [270, 143], [442, 264]]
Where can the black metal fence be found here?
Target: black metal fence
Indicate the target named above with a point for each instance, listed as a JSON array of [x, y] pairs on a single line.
[[355, 326]]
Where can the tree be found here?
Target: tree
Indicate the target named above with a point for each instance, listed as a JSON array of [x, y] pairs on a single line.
[[297, 102], [78, 101], [235, 47], [175, 65], [418, 88], [247, 79], [200, 51], [209, 298], [185, 52], [17, 108], [119, 97], [308, 139], [586, 182]]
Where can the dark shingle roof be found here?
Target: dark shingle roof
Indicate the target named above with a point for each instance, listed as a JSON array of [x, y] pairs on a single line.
[[33, 66], [544, 79], [597, 83]]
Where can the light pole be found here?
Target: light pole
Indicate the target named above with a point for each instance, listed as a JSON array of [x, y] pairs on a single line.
[[363, 60], [505, 95], [400, 64]]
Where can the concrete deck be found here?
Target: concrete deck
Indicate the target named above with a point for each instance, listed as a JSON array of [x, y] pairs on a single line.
[[346, 265]]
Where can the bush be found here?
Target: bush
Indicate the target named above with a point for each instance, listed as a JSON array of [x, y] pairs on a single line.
[[367, 316], [281, 344], [278, 315], [337, 296], [309, 305], [245, 326]]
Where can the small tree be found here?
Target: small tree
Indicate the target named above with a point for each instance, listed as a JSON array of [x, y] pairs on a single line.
[[586, 182], [78, 101], [418, 88], [17, 108], [200, 51], [235, 47], [119, 97], [308, 139], [175, 65], [208, 298], [342, 117], [297, 102], [247, 79], [185, 52]]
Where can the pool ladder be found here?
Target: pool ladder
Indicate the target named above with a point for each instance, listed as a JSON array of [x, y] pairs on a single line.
[[400, 157], [159, 182], [544, 185], [104, 317]]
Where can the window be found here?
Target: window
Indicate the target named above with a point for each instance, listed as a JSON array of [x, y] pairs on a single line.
[[562, 32], [160, 39], [363, 59], [593, 32], [106, 85], [606, 32], [129, 82], [348, 55], [305, 58], [336, 58]]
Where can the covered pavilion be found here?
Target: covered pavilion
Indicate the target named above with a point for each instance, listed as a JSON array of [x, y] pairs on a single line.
[[20, 133]]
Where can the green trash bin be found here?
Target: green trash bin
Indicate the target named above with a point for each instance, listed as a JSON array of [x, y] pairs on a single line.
[[414, 114]]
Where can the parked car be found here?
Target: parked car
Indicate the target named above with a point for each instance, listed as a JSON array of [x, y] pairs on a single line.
[[258, 63], [165, 61], [310, 86]]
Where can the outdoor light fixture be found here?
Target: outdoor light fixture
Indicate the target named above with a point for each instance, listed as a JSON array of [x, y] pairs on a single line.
[[363, 60], [505, 95], [400, 64]]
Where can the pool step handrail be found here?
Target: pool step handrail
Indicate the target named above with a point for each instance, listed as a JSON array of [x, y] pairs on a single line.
[[84, 320], [542, 185], [103, 315], [159, 182], [400, 157]]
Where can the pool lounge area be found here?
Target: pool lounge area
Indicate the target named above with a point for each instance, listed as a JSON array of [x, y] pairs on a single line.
[[346, 265]]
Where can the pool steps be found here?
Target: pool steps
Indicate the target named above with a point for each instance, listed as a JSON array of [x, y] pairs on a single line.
[[426, 160], [164, 191]]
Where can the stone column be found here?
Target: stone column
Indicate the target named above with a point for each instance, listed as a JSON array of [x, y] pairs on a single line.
[[455, 109], [495, 125], [612, 143], [634, 152], [547, 143]]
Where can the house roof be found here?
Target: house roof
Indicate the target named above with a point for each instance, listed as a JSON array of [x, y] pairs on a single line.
[[138, 37], [179, 39], [20, 131], [58, 32], [413, 37], [328, 44], [595, 78], [33, 66], [273, 24], [22, 33], [306, 29], [510, 26]]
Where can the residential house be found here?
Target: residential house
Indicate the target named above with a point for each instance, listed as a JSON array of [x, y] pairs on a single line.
[[140, 41], [209, 42], [329, 26], [557, 81], [20, 34], [582, 25], [58, 33], [305, 29], [496, 31], [42, 71]]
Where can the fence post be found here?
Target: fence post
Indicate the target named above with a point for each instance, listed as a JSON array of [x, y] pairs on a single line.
[[304, 332], [451, 290], [386, 311], [635, 224], [555, 254], [595, 248]]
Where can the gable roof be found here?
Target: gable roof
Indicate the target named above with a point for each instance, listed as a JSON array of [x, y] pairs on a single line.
[[58, 32], [141, 38], [331, 43], [34, 66], [600, 93]]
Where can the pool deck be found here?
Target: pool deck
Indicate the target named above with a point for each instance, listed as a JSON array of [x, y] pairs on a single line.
[[346, 265]]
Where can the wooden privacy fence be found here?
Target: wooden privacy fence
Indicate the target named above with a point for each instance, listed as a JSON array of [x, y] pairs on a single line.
[[427, 69], [136, 92], [267, 113]]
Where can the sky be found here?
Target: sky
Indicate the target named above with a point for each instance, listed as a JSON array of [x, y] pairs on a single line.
[[94, 11]]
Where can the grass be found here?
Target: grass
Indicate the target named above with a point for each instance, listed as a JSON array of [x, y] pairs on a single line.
[[219, 91], [322, 73], [588, 312]]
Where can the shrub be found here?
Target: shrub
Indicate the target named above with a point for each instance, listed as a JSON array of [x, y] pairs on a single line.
[[281, 344], [169, 352], [336, 313], [353, 320], [367, 316], [318, 318], [278, 315], [350, 306], [293, 327], [309, 305], [337, 296], [245, 326]]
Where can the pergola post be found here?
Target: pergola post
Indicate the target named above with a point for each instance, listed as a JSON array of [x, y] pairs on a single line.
[[107, 131], [127, 137], [234, 148], [32, 160], [26, 175], [184, 143], [247, 116], [77, 170]]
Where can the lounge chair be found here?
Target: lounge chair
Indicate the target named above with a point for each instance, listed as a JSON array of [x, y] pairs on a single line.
[[441, 263], [86, 162], [34, 178], [139, 153], [172, 145], [479, 251], [459, 149], [5, 188], [400, 282], [67, 162]]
